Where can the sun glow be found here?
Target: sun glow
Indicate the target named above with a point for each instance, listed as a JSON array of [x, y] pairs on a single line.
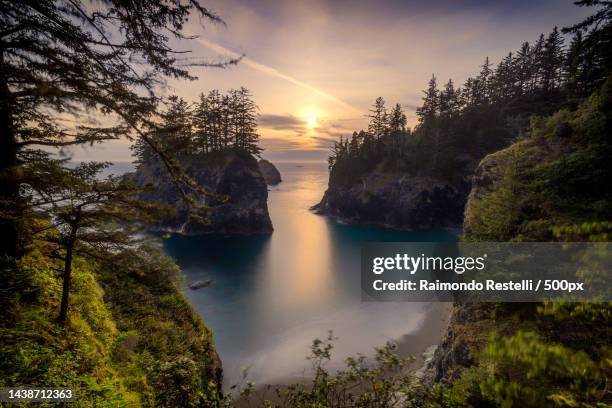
[[311, 122], [311, 119]]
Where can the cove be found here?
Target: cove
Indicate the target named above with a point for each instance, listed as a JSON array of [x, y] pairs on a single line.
[[270, 296]]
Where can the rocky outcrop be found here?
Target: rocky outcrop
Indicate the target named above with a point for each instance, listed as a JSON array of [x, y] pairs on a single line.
[[471, 323], [467, 332], [395, 200], [232, 175], [269, 172]]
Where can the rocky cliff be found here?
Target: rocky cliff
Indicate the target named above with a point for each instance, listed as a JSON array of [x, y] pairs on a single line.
[[395, 200], [269, 172], [470, 323], [232, 174]]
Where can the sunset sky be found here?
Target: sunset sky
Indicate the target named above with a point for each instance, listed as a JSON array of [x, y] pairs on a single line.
[[315, 67]]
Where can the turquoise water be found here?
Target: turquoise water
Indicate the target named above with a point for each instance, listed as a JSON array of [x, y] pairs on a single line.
[[271, 296]]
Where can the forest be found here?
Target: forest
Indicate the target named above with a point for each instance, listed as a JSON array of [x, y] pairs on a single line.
[[457, 126], [215, 123], [90, 303]]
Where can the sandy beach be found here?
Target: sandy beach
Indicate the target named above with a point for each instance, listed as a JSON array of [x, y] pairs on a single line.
[[430, 333]]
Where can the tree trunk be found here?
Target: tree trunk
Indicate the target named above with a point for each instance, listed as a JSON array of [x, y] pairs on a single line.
[[66, 284], [12, 238]]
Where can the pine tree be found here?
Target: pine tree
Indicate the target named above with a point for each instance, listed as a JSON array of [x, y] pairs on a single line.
[[202, 129], [597, 30], [173, 136], [86, 212], [246, 111], [575, 66], [379, 119], [503, 81], [524, 69], [483, 88], [430, 108], [70, 60], [449, 100], [537, 58], [397, 120], [551, 62]]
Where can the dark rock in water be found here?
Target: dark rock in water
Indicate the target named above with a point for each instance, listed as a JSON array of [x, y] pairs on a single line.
[[231, 174], [395, 200], [199, 284], [270, 172]]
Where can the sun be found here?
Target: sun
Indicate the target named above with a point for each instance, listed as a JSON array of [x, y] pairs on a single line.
[[311, 121]]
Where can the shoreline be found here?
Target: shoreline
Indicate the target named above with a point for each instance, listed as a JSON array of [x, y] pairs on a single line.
[[431, 332], [418, 343]]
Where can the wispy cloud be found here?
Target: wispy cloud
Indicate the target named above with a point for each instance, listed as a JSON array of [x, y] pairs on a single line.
[[281, 122], [268, 70]]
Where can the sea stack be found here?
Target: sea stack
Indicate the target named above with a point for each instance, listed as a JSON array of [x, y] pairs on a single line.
[[269, 172], [231, 174]]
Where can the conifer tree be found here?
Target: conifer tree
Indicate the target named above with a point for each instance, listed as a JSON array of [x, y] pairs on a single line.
[[537, 52], [379, 120], [576, 66], [449, 100], [397, 120], [523, 67], [68, 59], [430, 108], [551, 61], [202, 127], [483, 88], [246, 111], [597, 38], [86, 212], [173, 136]]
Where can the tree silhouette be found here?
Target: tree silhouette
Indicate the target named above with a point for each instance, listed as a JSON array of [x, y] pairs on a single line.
[[64, 62], [81, 209]]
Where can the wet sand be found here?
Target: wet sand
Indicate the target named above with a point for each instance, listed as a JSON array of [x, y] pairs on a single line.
[[430, 333], [437, 317]]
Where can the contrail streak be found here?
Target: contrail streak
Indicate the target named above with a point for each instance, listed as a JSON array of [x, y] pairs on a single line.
[[266, 69]]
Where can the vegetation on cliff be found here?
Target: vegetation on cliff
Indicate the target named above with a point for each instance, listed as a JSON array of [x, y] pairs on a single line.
[[75, 73], [457, 127], [553, 184], [214, 142], [131, 338]]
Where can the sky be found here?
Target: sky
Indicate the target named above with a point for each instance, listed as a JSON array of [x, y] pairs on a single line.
[[315, 67]]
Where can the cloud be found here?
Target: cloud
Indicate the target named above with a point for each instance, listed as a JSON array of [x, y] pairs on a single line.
[[268, 70], [324, 142], [281, 122], [277, 144]]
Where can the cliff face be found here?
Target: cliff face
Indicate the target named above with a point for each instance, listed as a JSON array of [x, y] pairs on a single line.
[[232, 174], [269, 172], [470, 323], [395, 200]]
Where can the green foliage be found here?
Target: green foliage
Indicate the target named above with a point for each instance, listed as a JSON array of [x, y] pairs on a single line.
[[384, 382], [35, 350], [164, 346], [546, 373], [216, 122], [131, 340], [500, 215], [552, 185], [81, 73], [525, 370]]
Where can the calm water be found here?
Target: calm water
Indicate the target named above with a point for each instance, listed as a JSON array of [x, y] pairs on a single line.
[[271, 296]]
